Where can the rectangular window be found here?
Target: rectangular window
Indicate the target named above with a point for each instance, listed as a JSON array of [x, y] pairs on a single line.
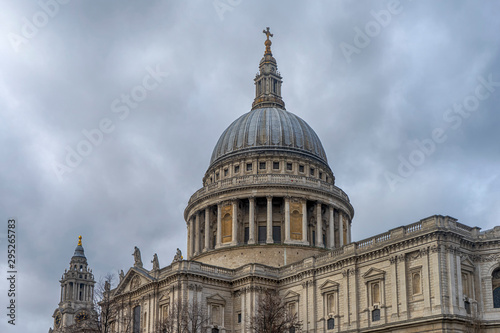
[[301, 168], [249, 166], [247, 234], [376, 315], [262, 165], [136, 327], [313, 238], [236, 168], [320, 175], [277, 234], [225, 172], [239, 318], [289, 166], [216, 176], [311, 171], [262, 234], [276, 165], [331, 323]]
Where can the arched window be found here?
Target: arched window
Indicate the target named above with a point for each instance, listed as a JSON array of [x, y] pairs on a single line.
[[495, 284]]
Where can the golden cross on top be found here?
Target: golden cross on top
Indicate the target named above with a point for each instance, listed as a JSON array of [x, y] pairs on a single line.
[[268, 33], [79, 240]]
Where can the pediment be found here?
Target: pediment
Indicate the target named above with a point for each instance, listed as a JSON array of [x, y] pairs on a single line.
[[466, 262], [374, 274], [216, 298], [329, 286], [132, 281], [291, 296]]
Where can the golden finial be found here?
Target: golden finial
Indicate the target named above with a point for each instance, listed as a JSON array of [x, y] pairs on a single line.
[[268, 42], [79, 240]]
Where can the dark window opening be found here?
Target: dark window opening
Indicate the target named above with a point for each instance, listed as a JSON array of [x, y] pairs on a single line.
[[216, 330], [324, 240], [262, 234], [289, 166], [236, 168], [136, 328], [311, 171], [217, 176], [246, 236], [225, 172], [276, 234], [496, 298], [467, 306], [239, 318], [376, 315], [321, 175], [330, 323], [301, 168], [249, 166], [262, 165], [313, 238], [276, 165], [292, 329]]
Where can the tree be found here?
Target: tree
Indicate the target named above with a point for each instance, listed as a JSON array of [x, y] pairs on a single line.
[[110, 316], [183, 317], [273, 315]]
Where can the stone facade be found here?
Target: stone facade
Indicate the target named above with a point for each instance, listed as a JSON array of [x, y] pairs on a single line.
[[269, 217]]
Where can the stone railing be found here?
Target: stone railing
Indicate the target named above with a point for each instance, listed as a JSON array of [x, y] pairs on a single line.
[[275, 179]]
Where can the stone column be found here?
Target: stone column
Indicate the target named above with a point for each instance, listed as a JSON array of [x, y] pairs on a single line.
[[243, 310], [319, 226], [190, 241], [348, 222], [269, 219], [401, 264], [207, 229], [235, 222], [251, 220], [287, 220], [331, 229], [197, 233], [219, 225], [341, 228], [304, 223]]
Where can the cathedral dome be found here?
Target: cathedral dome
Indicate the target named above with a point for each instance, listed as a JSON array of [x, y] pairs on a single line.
[[268, 128]]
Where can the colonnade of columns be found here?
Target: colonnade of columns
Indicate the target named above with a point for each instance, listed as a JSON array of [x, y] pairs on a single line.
[[200, 232], [72, 292]]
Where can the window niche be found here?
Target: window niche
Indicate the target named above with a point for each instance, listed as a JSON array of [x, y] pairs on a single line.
[[216, 307], [415, 275], [330, 292], [375, 287], [291, 300]]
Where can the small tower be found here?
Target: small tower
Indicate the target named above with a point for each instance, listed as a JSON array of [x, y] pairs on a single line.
[[76, 306], [268, 81]]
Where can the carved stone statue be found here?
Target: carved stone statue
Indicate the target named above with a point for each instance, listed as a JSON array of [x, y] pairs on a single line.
[[137, 257], [121, 275], [178, 256], [156, 263], [107, 286]]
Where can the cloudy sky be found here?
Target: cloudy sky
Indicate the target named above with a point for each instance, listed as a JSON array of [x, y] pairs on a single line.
[[109, 113]]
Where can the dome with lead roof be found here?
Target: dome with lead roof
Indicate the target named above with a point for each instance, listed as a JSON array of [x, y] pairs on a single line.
[[268, 128]]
